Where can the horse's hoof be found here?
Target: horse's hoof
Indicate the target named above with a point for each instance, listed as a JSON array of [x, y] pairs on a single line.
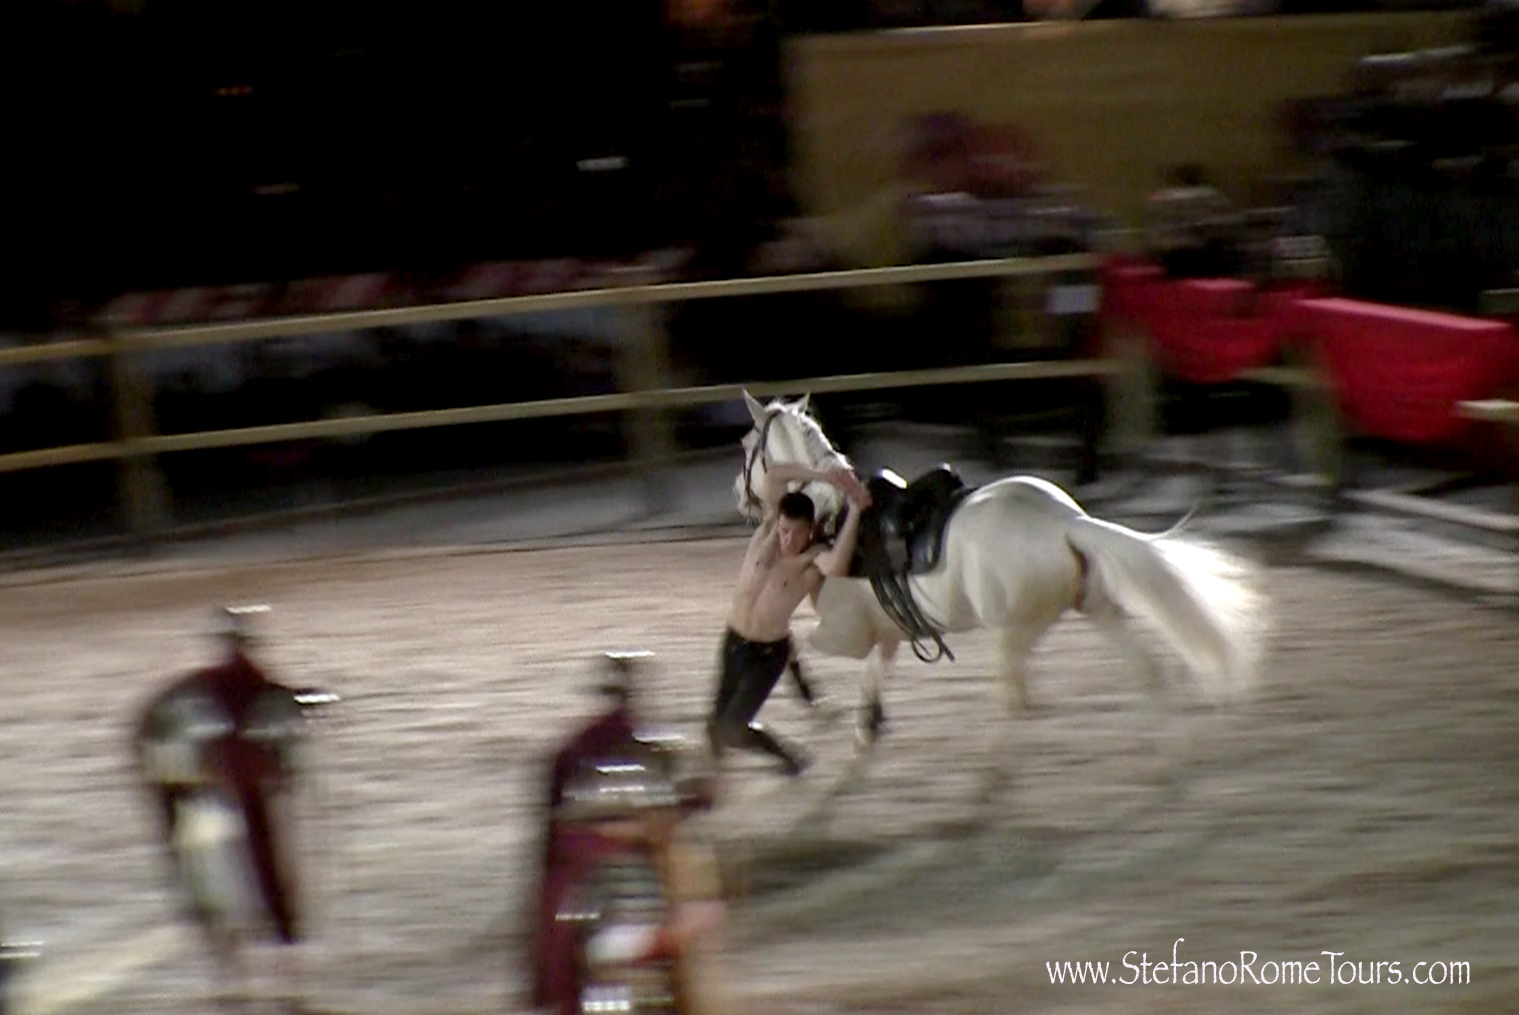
[[866, 738], [828, 713], [795, 762], [231, 999], [854, 771], [1157, 680], [993, 785]]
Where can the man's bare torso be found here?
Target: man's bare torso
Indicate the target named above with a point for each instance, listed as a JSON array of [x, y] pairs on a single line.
[[771, 587]]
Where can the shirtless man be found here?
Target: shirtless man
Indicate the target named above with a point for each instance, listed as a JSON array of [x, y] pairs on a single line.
[[782, 566]]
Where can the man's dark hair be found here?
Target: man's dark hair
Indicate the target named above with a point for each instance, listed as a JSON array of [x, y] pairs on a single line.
[[798, 505]]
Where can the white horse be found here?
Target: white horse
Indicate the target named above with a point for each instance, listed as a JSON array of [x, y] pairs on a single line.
[[1019, 554]]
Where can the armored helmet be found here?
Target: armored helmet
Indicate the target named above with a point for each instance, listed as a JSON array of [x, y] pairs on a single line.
[[234, 623], [618, 672]]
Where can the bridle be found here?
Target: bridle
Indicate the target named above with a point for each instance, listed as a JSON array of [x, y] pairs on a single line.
[[891, 592], [752, 501], [756, 455]]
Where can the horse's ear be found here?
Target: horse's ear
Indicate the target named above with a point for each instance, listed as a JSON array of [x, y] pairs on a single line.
[[802, 403], [755, 409]]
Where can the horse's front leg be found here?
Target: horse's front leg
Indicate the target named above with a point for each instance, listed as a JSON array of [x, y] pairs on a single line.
[[878, 668], [867, 730]]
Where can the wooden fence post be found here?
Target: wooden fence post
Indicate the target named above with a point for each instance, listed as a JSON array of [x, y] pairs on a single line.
[[1132, 395], [645, 367], [143, 500]]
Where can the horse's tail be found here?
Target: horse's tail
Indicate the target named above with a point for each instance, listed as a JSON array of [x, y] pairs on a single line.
[[1204, 601]]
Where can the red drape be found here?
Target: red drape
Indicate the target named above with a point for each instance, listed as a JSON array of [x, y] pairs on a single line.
[[1208, 331], [1399, 372], [1216, 351], [1126, 287]]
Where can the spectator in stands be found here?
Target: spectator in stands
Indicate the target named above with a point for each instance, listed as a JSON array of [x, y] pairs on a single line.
[[1210, 8], [1086, 10], [1194, 230]]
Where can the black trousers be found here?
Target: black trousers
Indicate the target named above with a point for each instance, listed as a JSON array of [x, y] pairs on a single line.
[[749, 672]]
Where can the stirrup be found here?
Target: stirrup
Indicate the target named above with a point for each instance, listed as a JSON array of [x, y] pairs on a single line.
[[896, 599], [921, 628]]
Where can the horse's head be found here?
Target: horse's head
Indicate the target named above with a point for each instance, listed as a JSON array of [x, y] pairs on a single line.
[[785, 433]]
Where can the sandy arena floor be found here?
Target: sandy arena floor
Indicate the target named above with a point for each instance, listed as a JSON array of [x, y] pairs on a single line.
[[1365, 804]]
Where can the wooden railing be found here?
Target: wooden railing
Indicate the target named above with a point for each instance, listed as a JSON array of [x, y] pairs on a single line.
[[646, 392]]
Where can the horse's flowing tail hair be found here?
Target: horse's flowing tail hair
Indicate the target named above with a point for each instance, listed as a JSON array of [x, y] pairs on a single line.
[[1205, 601]]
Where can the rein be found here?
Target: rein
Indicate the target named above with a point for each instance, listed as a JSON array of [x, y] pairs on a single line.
[[756, 454], [893, 593]]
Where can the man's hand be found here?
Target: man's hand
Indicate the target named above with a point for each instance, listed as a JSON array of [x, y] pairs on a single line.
[[834, 561], [849, 483]]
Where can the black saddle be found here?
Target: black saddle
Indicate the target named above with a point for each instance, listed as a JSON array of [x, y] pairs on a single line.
[[902, 534]]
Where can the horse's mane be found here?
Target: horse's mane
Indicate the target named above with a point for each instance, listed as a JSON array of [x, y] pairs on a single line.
[[818, 444], [821, 450]]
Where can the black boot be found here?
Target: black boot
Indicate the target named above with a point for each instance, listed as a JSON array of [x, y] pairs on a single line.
[[800, 679], [792, 760]]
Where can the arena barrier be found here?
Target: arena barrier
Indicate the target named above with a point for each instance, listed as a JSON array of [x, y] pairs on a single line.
[[646, 394], [1358, 368], [1218, 332]]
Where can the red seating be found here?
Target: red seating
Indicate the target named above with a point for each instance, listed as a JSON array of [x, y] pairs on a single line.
[[1206, 331], [1219, 350], [1207, 298], [1398, 373], [1126, 288]]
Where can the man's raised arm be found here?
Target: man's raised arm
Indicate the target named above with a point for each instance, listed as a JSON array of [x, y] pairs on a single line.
[[779, 477], [834, 561]]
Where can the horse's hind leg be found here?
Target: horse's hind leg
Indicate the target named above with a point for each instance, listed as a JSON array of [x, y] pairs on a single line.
[[1110, 619], [1172, 742], [872, 712], [1014, 645]]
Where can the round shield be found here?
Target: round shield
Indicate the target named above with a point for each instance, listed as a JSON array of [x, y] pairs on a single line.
[[277, 722], [181, 729], [612, 788]]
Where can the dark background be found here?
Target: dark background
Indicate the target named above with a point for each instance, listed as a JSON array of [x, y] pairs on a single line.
[[199, 142]]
